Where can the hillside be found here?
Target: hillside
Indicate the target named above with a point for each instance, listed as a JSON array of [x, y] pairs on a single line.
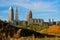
[[10, 32], [53, 30]]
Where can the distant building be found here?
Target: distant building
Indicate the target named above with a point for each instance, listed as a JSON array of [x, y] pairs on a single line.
[[29, 19], [58, 23], [10, 15], [16, 16], [36, 21], [28, 15], [51, 22]]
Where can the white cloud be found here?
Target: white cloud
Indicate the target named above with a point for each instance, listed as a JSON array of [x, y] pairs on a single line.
[[36, 6], [39, 6]]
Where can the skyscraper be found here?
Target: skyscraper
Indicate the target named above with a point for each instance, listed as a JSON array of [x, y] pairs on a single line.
[[10, 14], [16, 14], [28, 15]]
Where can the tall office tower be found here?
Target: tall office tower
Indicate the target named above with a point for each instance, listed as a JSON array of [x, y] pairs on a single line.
[[10, 14], [28, 15], [16, 15]]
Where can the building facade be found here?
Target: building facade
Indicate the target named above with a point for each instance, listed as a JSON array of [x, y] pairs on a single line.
[[51, 21], [16, 14], [58, 23], [16, 17], [10, 15], [28, 15], [33, 20], [36, 21]]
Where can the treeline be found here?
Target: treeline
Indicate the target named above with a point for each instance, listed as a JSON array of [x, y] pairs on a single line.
[[6, 30], [9, 31], [34, 27]]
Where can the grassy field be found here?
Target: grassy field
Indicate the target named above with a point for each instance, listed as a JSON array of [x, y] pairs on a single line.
[[32, 38]]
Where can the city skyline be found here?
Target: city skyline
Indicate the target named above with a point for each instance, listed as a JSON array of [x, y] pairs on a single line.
[[41, 9]]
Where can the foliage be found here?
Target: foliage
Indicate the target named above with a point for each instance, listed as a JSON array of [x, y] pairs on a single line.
[[32, 26], [44, 26], [22, 26], [54, 29]]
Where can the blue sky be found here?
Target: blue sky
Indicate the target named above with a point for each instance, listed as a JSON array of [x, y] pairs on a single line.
[[41, 9]]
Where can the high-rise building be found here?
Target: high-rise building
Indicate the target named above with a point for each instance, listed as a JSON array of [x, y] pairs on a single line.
[[11, 15], [16, 17], [28, 15], [16, 14]]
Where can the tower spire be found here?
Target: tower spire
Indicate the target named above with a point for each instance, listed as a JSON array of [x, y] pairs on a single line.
[[16, 14]]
